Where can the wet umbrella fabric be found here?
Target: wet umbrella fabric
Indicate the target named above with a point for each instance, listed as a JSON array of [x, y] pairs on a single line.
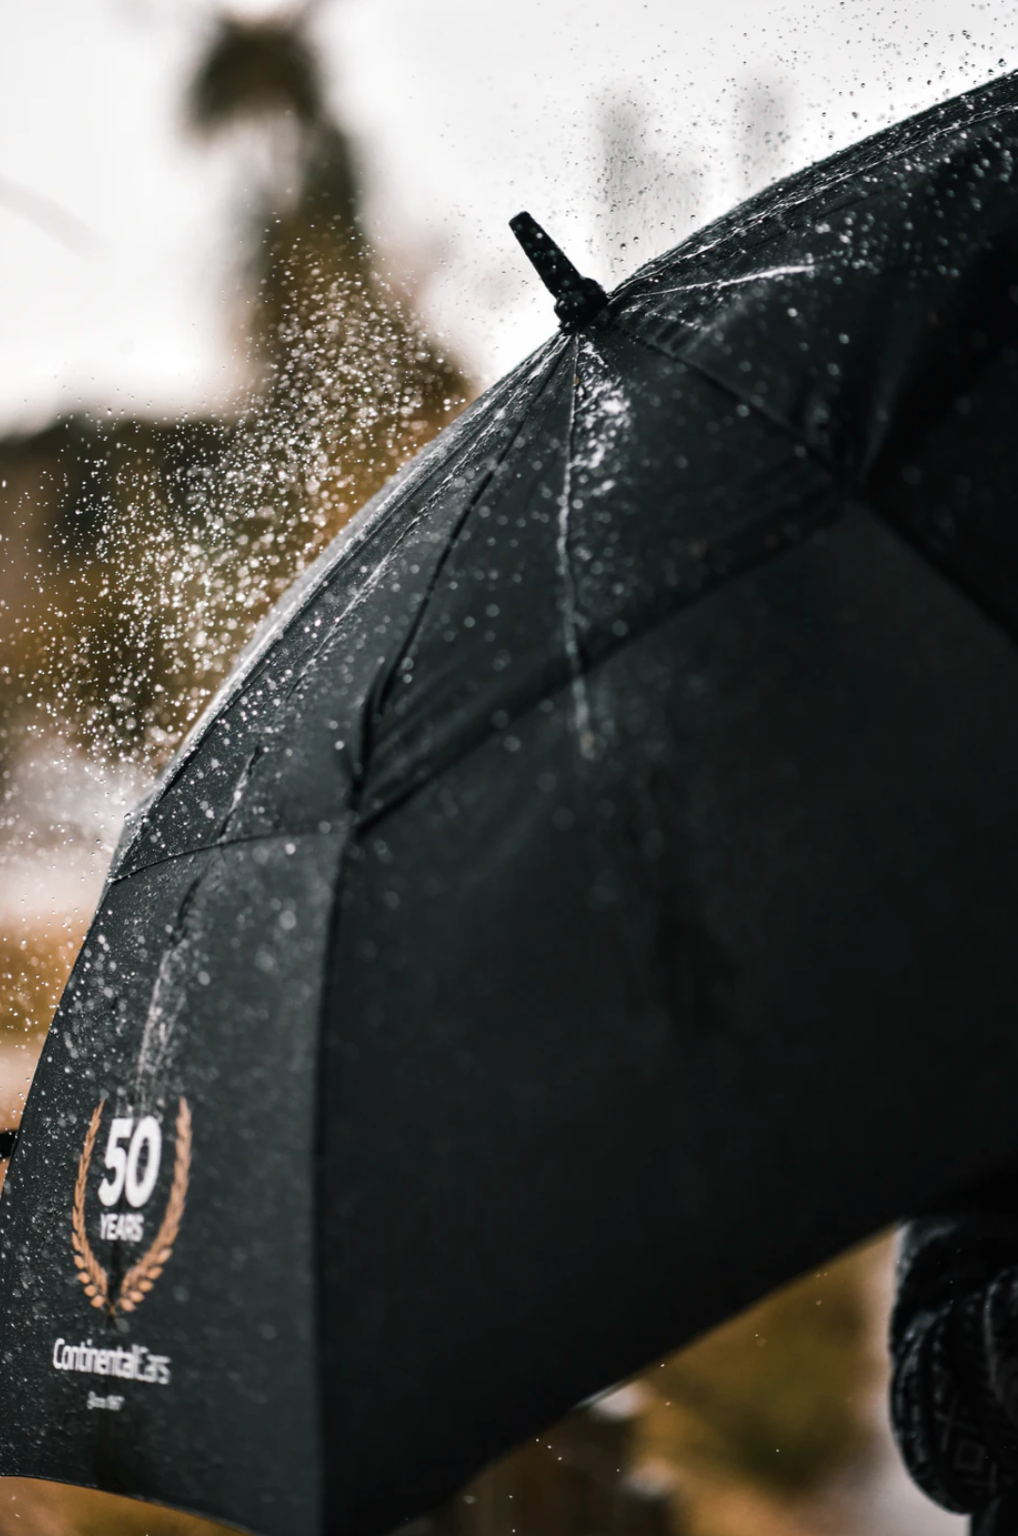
[[590, 903]]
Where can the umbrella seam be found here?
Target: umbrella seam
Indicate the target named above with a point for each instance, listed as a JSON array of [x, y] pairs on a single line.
[[853, 486], [222, 847], [570, 627], [829, 465], [377, 699]]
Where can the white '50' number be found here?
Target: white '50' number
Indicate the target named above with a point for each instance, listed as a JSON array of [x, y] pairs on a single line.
[[133, 1169]]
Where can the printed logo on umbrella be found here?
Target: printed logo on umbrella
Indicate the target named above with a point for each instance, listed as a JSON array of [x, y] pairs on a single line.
[[133, 1157]]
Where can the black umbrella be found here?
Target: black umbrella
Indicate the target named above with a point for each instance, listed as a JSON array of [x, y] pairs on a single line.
[[590, 902]]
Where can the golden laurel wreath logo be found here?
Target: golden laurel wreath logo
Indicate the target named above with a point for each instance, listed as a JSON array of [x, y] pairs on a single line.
[[141, 1277]]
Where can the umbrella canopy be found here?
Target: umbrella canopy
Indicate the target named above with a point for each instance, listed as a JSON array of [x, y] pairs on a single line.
[[590, 902]]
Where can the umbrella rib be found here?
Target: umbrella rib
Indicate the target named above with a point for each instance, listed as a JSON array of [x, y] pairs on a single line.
[[570, 627], [736, 282], [383, 690], [783, 426], [231, 842]]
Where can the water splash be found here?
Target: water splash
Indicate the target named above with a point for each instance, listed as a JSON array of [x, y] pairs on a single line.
[[137, 558]]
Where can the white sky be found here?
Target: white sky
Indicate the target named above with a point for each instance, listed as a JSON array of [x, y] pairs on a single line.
[[463, 113]]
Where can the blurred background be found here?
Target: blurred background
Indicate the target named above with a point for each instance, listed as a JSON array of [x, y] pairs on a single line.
[[252, 259]]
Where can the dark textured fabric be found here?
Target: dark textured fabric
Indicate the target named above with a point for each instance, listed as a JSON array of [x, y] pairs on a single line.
[[954, 1349]]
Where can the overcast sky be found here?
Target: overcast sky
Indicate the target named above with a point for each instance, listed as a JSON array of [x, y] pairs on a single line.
[[117, 234]]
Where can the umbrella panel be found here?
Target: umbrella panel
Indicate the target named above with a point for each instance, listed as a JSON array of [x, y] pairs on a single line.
[[229, 1318], [625, 1038]]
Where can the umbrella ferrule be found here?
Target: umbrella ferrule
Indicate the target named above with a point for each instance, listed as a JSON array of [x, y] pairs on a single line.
[[577, 298]]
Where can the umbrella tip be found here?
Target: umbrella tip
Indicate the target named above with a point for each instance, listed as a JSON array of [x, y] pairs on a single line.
[[577, 298]]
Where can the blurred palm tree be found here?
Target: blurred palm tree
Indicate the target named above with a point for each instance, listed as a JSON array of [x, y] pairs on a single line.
[[351, 384], [212, 519]]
